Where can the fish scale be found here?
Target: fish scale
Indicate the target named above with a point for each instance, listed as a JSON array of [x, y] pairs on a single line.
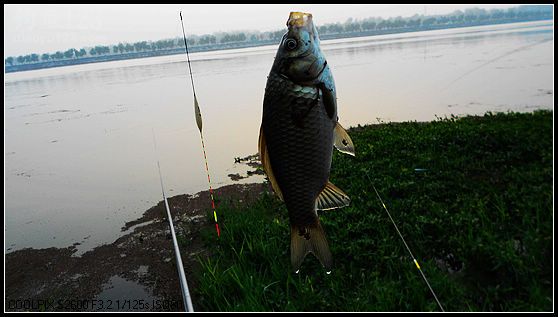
[[300, 156]]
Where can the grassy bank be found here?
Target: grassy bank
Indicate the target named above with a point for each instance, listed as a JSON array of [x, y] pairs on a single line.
[[472, 197]]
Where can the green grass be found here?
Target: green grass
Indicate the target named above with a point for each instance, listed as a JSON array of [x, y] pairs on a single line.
[[480, 203]]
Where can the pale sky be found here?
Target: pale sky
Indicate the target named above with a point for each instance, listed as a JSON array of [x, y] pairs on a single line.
[[40, 29]]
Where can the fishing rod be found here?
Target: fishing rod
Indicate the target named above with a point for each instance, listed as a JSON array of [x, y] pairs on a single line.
[[406, 246], [183, 283], [199, 123]]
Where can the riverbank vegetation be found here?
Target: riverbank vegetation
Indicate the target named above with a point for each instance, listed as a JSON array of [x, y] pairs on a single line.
[[472, 196]]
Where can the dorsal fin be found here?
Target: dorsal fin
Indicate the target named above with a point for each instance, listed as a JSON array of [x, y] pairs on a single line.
[[331, 197], [342, 141], [266, 164]]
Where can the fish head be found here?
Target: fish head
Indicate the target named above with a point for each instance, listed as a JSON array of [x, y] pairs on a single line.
[[299, 56]]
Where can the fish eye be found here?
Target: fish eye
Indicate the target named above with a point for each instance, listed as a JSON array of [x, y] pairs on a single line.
[[291, 44]]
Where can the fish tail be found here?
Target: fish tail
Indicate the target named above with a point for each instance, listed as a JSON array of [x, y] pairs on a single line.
[[306, 239]]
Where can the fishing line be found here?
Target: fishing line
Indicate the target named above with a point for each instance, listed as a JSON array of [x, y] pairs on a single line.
[[199, 123], [183, 283], [406, 246]]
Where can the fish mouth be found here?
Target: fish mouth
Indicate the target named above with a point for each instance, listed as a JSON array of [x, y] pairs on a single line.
[[299, 19]]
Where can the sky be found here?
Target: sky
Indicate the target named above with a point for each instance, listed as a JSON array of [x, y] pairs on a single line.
[[35, 28]]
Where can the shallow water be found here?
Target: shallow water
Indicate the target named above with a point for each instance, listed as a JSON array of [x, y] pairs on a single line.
[[79, 152]]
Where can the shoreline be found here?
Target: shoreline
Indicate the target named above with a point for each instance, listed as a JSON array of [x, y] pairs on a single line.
[[144, 256], [233, 45]]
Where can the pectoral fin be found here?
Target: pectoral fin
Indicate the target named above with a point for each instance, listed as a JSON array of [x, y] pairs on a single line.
[[342, 141], [266, 164], [332, 197]]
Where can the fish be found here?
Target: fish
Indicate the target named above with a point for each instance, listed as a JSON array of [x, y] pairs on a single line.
[[299, 130]]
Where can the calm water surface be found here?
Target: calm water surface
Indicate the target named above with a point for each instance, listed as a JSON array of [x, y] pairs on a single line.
[[79, 154]]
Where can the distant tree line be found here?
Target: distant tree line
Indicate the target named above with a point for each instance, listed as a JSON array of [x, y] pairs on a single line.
[[351, 27]]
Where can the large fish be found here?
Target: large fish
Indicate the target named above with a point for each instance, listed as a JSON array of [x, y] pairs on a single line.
[[298, 132]]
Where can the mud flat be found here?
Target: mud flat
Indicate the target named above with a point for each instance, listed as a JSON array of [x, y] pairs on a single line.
[[137, 272]]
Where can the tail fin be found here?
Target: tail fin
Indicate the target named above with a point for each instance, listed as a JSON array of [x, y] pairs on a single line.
[[309, 239]]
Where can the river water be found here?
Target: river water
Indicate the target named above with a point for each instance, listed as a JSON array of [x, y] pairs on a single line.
[[78, 146]]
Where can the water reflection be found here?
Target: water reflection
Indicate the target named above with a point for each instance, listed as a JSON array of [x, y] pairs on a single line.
[[100, 172]]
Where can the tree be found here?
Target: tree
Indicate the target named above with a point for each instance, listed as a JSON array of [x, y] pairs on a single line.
[[57, 55], [277, 35], [399, 22], [99, 50], [414, 22], [45, 57], [368, 25], [381, 25], [334, 28], [351, 25], [496, 14], [510, 14], [428, 21], [10, 61], [69, 53], [442, 20]]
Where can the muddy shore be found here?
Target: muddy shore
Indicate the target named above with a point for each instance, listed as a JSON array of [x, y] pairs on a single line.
[[52, 279]]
